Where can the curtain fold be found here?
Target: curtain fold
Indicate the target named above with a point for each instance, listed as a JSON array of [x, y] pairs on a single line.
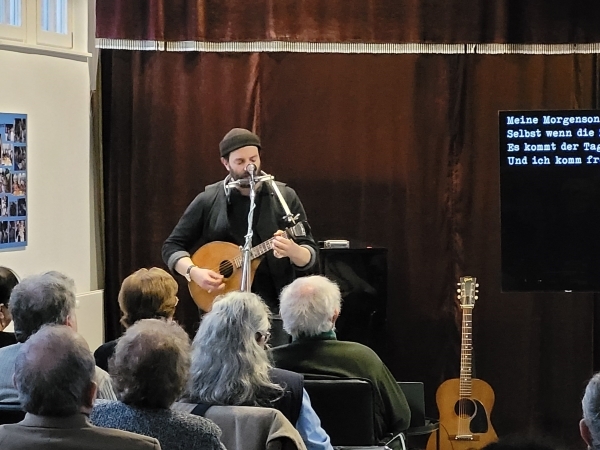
[[180, 105], [97, 182], [374, 21]]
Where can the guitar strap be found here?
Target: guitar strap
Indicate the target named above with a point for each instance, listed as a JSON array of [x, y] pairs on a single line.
[[289, 217]]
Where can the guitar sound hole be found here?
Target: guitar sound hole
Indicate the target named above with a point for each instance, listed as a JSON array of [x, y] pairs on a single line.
[[465, 408], [226, 268]]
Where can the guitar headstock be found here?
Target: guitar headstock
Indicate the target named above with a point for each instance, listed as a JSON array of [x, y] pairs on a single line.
[[296, 231], [467, 291]]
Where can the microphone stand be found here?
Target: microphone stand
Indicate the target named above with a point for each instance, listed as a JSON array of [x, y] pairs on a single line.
[[246, 249]]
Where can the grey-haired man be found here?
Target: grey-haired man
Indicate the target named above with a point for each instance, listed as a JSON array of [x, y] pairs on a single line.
[[38, 300]]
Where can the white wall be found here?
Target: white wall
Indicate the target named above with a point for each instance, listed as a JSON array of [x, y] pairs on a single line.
[[54, 92]]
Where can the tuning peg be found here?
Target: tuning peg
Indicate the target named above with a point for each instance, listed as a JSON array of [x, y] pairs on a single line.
[[458, 290], [476, 297], [476, 284], [458, 284]]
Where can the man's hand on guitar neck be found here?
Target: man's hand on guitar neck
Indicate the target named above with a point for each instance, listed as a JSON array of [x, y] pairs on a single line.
[[205, 278], [284, 247]]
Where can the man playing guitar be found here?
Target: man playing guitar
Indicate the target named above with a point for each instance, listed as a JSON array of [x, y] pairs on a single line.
[[220, 213]]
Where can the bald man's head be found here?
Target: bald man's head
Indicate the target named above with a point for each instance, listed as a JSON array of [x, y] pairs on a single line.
[[54, 372]]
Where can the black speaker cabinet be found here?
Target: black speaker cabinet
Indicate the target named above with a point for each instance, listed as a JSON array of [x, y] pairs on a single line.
[[361, 274]]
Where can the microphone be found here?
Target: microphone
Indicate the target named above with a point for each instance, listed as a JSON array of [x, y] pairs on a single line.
[[251, 169]]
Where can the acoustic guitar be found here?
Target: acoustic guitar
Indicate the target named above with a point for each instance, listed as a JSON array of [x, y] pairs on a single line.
[[464, 403], [226, 258]]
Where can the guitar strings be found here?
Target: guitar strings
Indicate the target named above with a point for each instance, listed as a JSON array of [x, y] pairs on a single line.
[[228, 265], [463, 427]]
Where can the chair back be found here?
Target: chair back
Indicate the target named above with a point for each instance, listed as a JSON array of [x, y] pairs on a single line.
[[11, 413], [346, 409], [415, 397], [250, 427], [420, 426]]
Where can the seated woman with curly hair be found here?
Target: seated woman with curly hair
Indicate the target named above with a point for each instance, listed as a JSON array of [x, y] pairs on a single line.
[[145, 294], [231, 367], [149, 371]]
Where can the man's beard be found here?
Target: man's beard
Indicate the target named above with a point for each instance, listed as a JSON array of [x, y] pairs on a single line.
[[244, 176]]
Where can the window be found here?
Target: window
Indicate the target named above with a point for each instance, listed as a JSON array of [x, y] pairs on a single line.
[[10, 12], [54, 16], [54, 26], [12, 20], [54, 23]]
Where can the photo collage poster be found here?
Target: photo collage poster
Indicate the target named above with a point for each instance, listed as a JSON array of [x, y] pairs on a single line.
[[13, 180]]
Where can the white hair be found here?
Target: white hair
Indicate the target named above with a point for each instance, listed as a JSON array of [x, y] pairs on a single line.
[[590, 404], [308, 305], [229, 366]]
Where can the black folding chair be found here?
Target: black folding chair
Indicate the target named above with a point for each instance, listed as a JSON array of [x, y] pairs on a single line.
[[346, 409], [420, 425]]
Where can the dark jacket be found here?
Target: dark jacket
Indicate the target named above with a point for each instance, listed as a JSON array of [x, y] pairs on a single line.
[[206, 220], [291, 402], [325, 355]]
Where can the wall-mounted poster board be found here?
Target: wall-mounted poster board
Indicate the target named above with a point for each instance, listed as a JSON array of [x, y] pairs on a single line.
[[13, 180]]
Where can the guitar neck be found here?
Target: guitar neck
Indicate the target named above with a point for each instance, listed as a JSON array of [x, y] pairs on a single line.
[[466, 348], [257, 251]]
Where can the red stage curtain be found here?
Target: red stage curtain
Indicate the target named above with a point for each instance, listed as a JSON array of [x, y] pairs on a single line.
[[398, 151], [451, 21]]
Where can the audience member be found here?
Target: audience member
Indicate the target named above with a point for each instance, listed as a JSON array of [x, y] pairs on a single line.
[[54, 373], [589, 426], [231, 367], [149, 369], [145, 294], [8, 280], [38, 300], [309, 307]]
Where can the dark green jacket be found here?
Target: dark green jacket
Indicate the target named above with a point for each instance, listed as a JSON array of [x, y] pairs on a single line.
[[325, 355]]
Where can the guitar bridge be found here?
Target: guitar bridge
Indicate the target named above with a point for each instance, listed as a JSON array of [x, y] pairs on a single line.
[[464, 437]]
